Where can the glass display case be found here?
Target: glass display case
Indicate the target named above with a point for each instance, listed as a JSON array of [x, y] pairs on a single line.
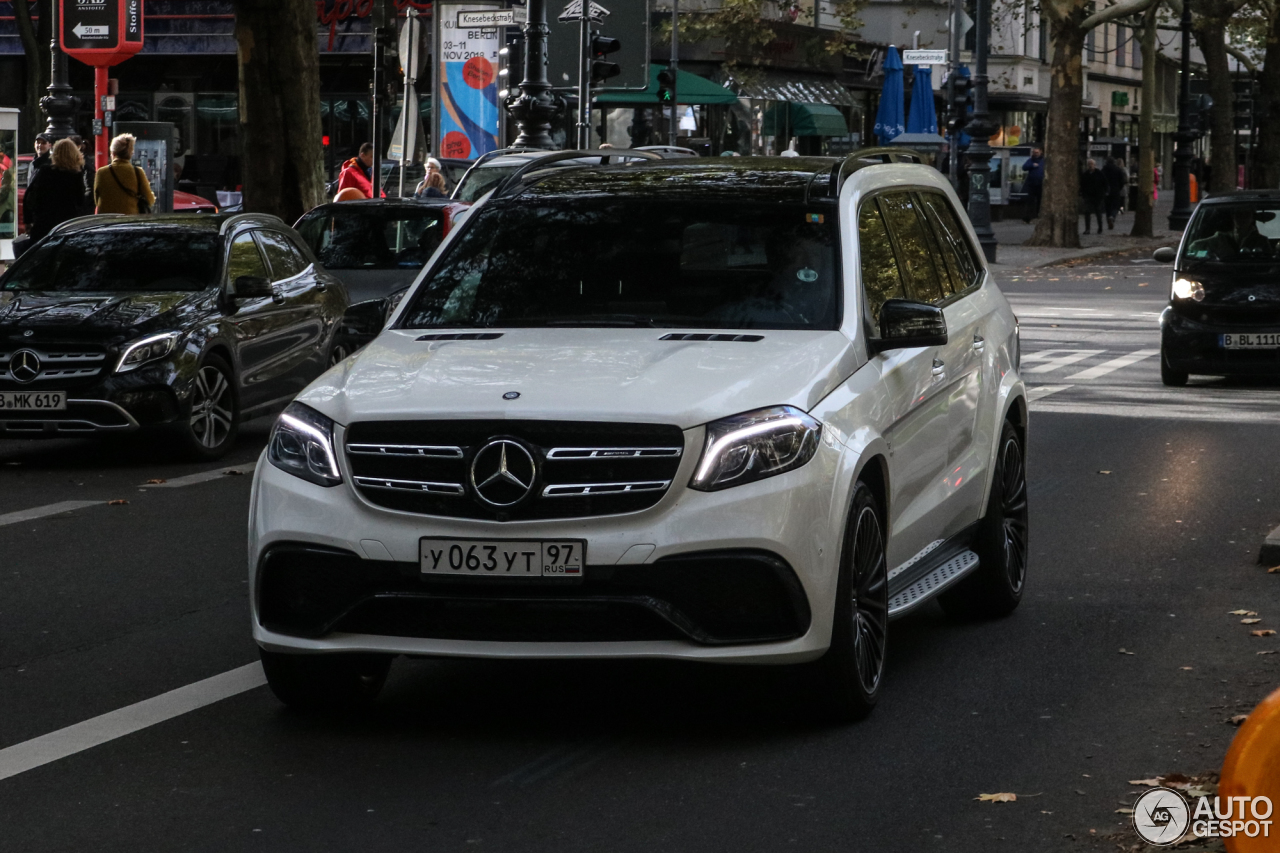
[[8, 181]]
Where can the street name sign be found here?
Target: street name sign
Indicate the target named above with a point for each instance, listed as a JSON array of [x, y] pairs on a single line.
[[513, 17], [101, 32], [924, 57]]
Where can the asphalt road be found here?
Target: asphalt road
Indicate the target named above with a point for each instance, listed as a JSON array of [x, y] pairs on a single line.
[[1148, 508]]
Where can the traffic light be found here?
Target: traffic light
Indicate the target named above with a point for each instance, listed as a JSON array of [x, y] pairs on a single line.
[[601, 69], [666, 87], [509, 63], [961, 101]]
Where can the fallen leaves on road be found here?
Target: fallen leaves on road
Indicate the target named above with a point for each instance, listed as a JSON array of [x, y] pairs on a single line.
[[1242, 613], [232, 472], [1147, 783], [1124, 811], [1268, 652], [1127, 652], [1238, 719], [1265, 632], [997, 798], [123, 502], [1186, 668], [1104, 472], [1274, 570], [1251, 621], [157, 481]]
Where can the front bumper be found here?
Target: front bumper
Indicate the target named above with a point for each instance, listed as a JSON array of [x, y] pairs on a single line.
[[1194, 347], [113, 403], [746, 574]]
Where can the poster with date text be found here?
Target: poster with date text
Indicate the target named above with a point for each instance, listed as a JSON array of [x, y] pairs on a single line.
[[466, 78]]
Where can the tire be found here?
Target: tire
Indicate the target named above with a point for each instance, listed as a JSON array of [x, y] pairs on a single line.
[[994, 589], [338, 353], [1169, 376], [213, 420], [325, 683], [851, 673]]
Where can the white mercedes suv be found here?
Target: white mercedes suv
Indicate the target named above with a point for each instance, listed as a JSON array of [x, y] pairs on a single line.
[[744, 410]]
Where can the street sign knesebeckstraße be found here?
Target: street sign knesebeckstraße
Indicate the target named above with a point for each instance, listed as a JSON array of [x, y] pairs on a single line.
[[464, 115], [513, 17], [101, 32], [627, 21], [924, 57]]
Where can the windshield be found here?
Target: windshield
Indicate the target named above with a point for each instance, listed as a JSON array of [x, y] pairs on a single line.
[[480, 181], [373, 239], [628, 261], [1234, 234], [121, 260]]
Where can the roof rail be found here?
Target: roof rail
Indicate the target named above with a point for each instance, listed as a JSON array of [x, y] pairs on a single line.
[[513, 180], [870, 157]]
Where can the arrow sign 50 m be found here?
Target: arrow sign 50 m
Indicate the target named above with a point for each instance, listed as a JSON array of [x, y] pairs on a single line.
[[101, 32]]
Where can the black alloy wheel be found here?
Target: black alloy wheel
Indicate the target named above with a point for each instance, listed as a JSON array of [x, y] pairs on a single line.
[[325, 683], [1169, 376], [995, 587], [213, 421], [339, 353], [852, 670]]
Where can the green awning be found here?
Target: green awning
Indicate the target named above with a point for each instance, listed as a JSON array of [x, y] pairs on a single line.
[[804, 120], [690, 89]]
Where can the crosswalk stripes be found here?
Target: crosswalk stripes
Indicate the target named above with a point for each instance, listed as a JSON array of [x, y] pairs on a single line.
[[1114, 364], [1056, 362]]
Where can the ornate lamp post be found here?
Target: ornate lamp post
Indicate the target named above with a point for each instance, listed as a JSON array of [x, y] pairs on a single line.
[[1184, 136], [59, 106], [536, 107], [980, 130]]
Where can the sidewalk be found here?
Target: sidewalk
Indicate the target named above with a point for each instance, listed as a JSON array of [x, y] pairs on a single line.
[[1012, 233]]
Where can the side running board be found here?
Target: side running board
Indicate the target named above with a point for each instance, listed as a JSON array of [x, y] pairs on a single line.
[[933, 583]]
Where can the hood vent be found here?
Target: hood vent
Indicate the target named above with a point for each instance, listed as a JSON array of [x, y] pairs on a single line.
[[705, 336], [462, 336]]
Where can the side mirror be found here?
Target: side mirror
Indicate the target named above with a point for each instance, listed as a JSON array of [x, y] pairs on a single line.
[[905, 324], [1164, 255], [251, 287]]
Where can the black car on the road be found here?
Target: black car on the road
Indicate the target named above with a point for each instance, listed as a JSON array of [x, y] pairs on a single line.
[[191, 322], [1223, 317]]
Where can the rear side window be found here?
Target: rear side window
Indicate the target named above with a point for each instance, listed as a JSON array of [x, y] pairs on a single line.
[[901, 210], [881, 278], [957, 253]]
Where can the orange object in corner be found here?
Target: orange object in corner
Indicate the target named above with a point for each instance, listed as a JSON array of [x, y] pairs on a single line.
[[1195, 188], [1252, 769]]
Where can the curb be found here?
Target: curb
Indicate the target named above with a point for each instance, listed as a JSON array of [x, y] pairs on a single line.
[[1269, 554], [1098, 251]]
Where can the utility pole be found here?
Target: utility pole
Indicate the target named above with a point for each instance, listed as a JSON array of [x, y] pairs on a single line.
[[1182, 155], [980, 130], [953, 68], [382, 30], [536, 106], [673, 126]]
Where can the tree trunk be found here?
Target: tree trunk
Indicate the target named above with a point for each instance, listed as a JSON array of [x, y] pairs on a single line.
[[35, 36], [279, 62], [1059, 222], [1268, 106], [1211, 36], [1144, 212]]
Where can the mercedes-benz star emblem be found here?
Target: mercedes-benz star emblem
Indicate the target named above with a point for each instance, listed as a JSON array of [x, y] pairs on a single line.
[[502, 473], [24, 366]]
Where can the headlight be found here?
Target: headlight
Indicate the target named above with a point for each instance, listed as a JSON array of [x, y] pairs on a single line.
[[302, 444], [755, 445], [147, 349], [1185, 288]]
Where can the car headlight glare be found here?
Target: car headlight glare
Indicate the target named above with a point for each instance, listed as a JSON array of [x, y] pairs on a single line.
[[1185, 288], [147, 349], [755, 445], [302, 444]]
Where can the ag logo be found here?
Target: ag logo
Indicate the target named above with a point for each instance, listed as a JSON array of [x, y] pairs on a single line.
[[1161, 816]]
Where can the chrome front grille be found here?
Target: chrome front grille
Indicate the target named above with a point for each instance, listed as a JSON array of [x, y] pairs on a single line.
[[58, 363], [579, 469]]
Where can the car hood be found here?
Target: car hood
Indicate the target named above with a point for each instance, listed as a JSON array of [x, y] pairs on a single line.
[[618, 375], [1243, 286], [363, 285], [104, 313]]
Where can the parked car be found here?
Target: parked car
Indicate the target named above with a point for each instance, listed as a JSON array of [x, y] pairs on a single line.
[[735, 410], [192, 322], [1223, 316], [491, 169]]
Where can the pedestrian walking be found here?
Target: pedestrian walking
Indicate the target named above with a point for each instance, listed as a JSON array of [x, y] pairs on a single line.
[[1093, 193], [432, 186], [357, 173], [120, 186], [44, 142], [1117, 183], [56, 193], [1033, 186]]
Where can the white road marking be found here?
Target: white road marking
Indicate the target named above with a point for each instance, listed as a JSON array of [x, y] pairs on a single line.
[[116, 724], [203, 476], [1061, 361], [1114, 364], [42, 511], [1044, 391]]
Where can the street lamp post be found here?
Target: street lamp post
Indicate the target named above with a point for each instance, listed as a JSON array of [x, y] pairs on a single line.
[[980, 130], [1184, 136], [59, 106], [536, 107]]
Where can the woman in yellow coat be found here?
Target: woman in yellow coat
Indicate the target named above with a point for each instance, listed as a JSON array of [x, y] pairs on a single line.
[[117, 188]]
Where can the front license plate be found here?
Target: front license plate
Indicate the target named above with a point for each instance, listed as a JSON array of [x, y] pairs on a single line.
[[1268, 340], [503, 558], [33, 401]]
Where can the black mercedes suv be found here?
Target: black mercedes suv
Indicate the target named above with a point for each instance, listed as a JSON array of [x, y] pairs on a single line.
[[190, 322], [1223, 317]]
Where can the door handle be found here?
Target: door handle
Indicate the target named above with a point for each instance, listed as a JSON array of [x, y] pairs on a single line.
[[939, 368], [979, 343]]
